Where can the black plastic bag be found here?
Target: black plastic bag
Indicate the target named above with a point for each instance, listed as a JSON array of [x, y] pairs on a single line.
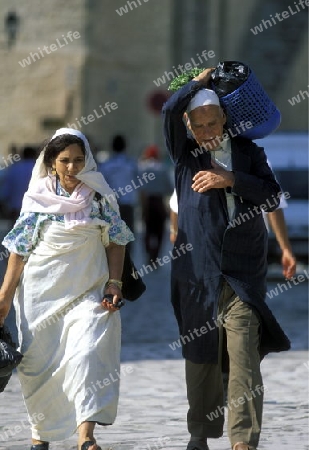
[[9, 357], [228, 76]]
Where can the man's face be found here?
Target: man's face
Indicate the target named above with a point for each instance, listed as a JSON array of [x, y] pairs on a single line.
[[206, 124]]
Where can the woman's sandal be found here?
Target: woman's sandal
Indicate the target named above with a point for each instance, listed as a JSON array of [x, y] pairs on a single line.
[[44, 446], [88, 444]]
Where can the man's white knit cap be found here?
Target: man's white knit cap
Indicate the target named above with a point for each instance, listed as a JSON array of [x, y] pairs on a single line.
[[203, 97]]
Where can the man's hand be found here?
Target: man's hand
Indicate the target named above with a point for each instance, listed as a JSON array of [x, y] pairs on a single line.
[[215, 178], [204, 77], [277, 222]]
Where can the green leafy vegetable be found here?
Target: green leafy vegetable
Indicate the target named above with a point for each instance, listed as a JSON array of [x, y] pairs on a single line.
[[184, 78]]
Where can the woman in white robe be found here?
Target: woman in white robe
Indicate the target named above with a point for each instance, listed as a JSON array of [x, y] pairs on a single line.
[[66, 254]]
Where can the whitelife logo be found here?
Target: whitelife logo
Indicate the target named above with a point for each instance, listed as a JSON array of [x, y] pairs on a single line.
[[279, 17], [294, 100], [48, 49]]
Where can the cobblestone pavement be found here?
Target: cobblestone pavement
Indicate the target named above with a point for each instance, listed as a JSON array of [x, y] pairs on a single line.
[[152, 407]]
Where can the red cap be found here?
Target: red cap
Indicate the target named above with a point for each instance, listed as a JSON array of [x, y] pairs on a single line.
[[152, 152]]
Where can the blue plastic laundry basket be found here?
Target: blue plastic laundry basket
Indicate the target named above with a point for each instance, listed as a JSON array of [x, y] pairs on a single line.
[[250, 104]]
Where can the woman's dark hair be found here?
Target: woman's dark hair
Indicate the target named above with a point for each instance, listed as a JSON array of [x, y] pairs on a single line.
[[58, 144]]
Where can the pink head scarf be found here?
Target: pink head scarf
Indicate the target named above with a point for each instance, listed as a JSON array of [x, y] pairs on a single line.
[[41, 195]]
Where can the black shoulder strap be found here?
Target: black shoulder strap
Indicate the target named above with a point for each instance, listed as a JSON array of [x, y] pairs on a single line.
[[98, 198]]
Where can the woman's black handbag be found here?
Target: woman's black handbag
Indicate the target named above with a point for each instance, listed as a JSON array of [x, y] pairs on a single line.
[[133, 286], [9, 357]]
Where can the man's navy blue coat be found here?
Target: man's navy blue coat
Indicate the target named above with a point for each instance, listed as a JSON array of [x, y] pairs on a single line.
[[235, 250]]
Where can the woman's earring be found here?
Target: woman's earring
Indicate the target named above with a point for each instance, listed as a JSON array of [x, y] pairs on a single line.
[[53, 171]]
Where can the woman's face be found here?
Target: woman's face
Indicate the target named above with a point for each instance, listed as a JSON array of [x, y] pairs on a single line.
[[68, 164]]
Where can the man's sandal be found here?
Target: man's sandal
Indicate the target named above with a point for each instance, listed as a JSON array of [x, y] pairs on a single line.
[[88, 444]]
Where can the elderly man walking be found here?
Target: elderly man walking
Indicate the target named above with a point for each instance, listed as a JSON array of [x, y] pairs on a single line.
[[219, 288]]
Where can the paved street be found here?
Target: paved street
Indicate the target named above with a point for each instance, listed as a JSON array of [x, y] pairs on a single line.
[[153, 406]]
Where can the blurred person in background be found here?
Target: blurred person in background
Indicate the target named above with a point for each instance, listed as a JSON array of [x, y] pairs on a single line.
[[152, 198], [173, 204], [3, 210], [276, 221], [119, 170], [17, 180]]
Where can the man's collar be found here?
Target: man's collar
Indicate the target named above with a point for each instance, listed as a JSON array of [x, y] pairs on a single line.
[[225, 145]]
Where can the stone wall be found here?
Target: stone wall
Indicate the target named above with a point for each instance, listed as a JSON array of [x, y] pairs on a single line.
[[36, 96], [115, 59]]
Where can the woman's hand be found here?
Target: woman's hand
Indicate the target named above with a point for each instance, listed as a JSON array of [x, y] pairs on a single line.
[[115, 258], [5, 306], [117, 295], [9, 285]]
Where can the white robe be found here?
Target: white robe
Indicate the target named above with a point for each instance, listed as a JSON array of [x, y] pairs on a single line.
[[71, 345]]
